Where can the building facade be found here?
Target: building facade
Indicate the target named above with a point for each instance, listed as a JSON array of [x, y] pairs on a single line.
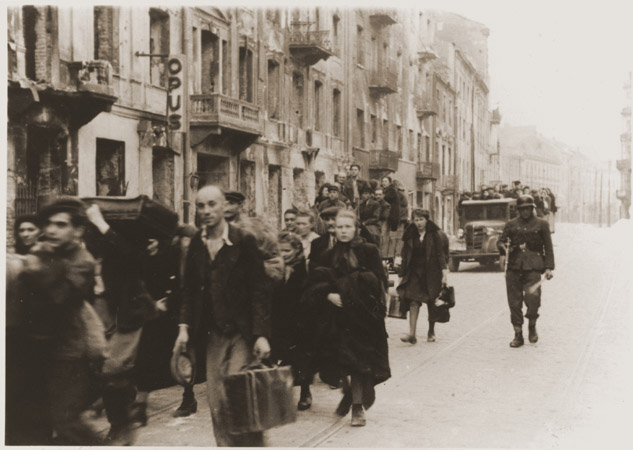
[[624, 163]]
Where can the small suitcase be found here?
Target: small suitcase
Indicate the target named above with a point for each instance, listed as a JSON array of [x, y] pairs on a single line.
[[137, 218], [394, 308], [259, 398]]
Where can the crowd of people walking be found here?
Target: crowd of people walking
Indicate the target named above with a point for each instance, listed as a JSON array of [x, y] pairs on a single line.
[[94, 318]]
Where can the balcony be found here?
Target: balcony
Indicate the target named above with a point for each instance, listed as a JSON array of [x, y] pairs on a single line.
[[426, 54], [623, 164], [383, 160], [428, 170], [447, 182], [94, 77], [224, 117], [384, 80], [426, 109], [309, 46], [382, 17]]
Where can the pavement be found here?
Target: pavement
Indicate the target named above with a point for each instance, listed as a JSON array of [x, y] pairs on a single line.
[[469, 388]]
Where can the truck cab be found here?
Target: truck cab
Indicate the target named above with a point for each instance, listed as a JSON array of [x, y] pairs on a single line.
[[481, 223]]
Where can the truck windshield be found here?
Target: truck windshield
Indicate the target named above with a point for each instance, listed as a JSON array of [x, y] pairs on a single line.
[[496, 212], [487, 212], [474, 213]]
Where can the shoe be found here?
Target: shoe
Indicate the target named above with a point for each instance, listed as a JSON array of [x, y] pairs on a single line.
[[358, 416], [345, 404], [304, 403], [188, 407], [517, 341], [138, 413], [410, 339], [120, 436], [533, 335], [430, 338]]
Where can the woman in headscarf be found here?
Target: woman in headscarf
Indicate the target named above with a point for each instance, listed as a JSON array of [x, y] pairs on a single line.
[[423, 271], [26, 232], [288, 320], [346, 296]]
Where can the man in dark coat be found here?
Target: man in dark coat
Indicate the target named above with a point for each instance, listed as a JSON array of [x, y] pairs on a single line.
[[423, 271], [326, 241], [225, 302], [333, 200], [353, 185], [369, 215], [65, 347], [530, 254]]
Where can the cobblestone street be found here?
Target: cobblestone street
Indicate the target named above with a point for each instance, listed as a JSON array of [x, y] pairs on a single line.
[[469, 389]]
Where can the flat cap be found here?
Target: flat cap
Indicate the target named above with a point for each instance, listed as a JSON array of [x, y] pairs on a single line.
[[234, 196], [330, 212]]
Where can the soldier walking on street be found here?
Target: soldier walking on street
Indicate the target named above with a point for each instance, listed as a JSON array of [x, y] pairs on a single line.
[[530, 254]]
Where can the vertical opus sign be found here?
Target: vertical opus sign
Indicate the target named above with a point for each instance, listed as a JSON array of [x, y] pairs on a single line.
[[176, 100]]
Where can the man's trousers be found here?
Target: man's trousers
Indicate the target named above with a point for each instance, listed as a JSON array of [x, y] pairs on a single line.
[[518, 284]]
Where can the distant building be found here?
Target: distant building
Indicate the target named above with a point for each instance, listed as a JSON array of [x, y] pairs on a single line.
[[624, 163]]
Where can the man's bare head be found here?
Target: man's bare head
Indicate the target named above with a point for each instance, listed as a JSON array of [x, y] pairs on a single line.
[[210, 205]]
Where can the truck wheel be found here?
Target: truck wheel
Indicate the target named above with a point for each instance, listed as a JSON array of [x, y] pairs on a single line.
[[502, 263], [453, 264]]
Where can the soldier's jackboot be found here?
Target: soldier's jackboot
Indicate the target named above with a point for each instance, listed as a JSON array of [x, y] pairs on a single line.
[[533, 335], [518, 337]]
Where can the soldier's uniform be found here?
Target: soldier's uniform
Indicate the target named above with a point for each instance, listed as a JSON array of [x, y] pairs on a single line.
[[531, 253]]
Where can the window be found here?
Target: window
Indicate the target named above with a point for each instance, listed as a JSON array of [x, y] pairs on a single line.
[[226, 69], [158, 44], [419, 154], [163, 176], [427, 146], [318, 90], [399, 140], [360, 50], [374, 126], [104, 32], [210, 71], [246, 74], [110, 173], [360, 128], [385, 134], [411, 145], [336, 117], [297, 99], [336, 20], [273, 89]]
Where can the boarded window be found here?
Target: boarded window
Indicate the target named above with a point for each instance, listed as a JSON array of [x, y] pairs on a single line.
[[158, 44], [247, 186], [336, 116], [273, 89], [110, 167], [163, 176]]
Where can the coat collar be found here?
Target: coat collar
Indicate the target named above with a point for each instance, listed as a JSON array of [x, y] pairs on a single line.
[[412, 232]]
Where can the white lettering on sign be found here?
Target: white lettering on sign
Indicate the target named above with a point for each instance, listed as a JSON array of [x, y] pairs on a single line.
[[176, 93]]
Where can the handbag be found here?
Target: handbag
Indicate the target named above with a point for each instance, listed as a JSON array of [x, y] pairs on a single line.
[[258, 398], [395, 309], [441, 313]]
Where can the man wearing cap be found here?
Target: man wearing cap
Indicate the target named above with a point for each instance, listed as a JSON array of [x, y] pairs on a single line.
[[369, 216], [527, 242], [333, 201], [65, 348], [233, 207], [224, 302], [353, 185], [326, 241]]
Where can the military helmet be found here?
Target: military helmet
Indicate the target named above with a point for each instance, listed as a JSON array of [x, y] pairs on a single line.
[[525, 201]]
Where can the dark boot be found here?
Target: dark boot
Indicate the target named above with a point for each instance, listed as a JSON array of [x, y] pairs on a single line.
[[346, 402], [358, 415], [518, 337], [188, 406], [305, 401], [369, 394], [533, 335]]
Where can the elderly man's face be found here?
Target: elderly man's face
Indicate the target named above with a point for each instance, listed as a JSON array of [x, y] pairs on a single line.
[[342, 177]]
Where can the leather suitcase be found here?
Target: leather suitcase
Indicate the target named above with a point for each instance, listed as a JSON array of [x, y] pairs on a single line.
[[394, 308], [259, 398], [137, 218]]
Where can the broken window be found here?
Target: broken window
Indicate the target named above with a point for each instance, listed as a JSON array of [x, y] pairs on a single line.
[[110, 171], [158, 45], [336, 116], [246, 74], [273, 89]]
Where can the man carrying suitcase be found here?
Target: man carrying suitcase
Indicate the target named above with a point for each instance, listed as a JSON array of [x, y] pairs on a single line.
[[225, 302]]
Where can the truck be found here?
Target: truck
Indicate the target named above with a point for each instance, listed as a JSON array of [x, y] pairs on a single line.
[[481, 223]]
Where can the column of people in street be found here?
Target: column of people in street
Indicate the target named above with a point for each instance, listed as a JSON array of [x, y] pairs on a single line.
[[235, 291]]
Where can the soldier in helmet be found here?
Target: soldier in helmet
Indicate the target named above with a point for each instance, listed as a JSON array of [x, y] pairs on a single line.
[[527, 242]]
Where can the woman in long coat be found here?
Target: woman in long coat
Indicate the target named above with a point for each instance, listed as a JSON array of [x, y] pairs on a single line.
[[423, 271], [288, 320], [346, 294]]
